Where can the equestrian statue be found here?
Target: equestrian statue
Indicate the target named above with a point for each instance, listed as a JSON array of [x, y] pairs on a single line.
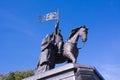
[[55, 51]]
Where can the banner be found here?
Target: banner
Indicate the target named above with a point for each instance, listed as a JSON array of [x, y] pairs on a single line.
[[49, 16]]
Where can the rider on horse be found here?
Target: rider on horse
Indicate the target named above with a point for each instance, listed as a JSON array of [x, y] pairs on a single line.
[[58, 38]]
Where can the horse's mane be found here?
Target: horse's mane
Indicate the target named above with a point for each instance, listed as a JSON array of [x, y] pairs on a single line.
[[73, 32]]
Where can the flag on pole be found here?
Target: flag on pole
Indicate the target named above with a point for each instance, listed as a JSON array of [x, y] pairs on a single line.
[[49, 16]]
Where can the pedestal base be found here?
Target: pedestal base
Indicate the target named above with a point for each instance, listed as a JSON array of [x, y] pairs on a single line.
[[68, 72]]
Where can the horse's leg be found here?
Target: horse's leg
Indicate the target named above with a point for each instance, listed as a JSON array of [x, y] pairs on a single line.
[[71, 57]]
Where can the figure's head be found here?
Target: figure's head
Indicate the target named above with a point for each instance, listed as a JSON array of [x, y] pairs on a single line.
[[83, 33]]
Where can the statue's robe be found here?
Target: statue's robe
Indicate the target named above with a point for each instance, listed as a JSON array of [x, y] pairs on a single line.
[[47, 56], [45, 51], [43, 60]]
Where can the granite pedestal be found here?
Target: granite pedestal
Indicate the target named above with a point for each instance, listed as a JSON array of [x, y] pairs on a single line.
[[69, 72]]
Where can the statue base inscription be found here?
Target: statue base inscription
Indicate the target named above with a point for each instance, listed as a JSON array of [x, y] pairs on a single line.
[[69, 72]]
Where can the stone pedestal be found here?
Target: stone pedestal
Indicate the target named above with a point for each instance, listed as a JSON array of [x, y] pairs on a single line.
[[69, 72]]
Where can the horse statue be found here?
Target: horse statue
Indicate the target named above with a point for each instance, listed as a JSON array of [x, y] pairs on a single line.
[[50, 53], [70, 50]]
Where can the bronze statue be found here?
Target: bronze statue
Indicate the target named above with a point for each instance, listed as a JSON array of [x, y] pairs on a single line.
[[70, 50], [46, 60], [53, 51], [57, 38]]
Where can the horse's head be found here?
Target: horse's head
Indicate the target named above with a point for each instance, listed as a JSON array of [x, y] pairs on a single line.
[[83, 33]]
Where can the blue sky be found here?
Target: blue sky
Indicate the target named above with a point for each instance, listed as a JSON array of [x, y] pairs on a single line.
[[21, 33]]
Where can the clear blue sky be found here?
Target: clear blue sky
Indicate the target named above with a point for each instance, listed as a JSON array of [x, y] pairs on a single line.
[[21, 33]]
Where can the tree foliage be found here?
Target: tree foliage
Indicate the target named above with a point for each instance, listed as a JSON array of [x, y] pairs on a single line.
[[11, 76], [18, 75]]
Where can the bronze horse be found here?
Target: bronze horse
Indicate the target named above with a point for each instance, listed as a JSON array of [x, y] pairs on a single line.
[[70, 50], [49, 54]]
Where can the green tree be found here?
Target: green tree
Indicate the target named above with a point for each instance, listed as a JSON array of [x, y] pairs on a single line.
[[11, 76], [27, 73], [19, 75]]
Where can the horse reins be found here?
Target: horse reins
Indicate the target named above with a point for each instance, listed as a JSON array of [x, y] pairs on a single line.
[[82, 45]]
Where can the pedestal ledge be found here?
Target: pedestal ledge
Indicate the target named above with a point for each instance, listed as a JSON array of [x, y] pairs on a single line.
[[69, 72]]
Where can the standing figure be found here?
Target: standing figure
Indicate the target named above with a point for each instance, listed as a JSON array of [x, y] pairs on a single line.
[[57, 38], [47, 57]]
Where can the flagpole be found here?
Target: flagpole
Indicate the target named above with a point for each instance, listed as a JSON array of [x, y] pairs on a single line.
[[58, 15], [57, 21]]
